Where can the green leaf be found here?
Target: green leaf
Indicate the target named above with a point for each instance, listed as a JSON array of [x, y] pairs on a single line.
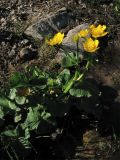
[[79, 93], [71, 82], [64, 76], [12, 93], [68, 85], [18, 79], [1, 113], [53, 82], [10, 133], [33, 118], [17, 117], [12, 105], [5, 107], [36, 117], [7, 104], [69, 60], [36, 73], [20, 100]]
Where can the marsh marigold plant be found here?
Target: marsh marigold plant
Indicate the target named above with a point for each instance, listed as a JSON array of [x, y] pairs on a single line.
[[37, 103]]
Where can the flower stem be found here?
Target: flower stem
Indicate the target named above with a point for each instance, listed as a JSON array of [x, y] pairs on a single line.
[[71, 82]]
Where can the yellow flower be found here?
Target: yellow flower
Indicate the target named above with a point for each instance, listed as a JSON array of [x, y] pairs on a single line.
[[57, 39], [90, 45], [92, 26], [83, 33], [98, 31]]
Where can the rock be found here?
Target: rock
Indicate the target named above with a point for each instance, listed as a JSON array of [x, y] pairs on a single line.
[[51, 24], [68, 42], [13, 51], [24, 41], [27, 54]]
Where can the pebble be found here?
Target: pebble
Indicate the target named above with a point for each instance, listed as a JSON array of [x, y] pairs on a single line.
[[24, 41], [27, 54], [12, 52]]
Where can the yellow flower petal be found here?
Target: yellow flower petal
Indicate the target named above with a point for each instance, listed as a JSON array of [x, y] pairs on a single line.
[[57, 39], [90, 45], [92, 26], [104, 27], [104, 34], [83, 33], [98, 31]]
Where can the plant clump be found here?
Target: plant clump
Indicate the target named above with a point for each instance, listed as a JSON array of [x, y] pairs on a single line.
[[36, 99]]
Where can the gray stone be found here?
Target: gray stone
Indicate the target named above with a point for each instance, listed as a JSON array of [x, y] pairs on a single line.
[[24, 41], [12, 52], [27, 54], [51, 24], [68, 42]]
